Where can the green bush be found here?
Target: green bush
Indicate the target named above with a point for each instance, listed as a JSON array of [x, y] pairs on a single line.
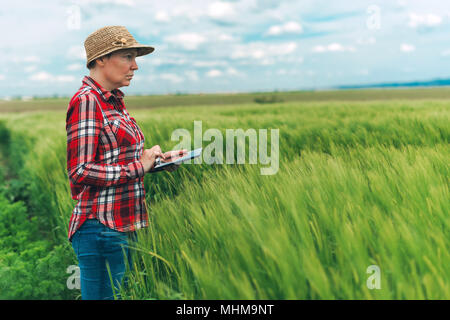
[[31, 267], [265, 99], [32, 264], [4, 134]]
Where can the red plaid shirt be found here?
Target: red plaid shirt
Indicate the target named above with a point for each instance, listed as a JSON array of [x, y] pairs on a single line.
[[104, 145]]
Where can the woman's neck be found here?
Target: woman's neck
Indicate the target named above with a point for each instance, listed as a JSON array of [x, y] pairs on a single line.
[[101, 81]]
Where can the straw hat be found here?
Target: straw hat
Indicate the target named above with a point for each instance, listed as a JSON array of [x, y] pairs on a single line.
[[110, 39]]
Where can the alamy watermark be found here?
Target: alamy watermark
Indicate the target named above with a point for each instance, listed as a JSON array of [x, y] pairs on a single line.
[[73, 281], [73, 17], [373, 21], [213, 152], [374, 281]]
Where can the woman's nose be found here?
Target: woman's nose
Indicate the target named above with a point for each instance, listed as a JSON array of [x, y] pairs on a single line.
[[134, 65]]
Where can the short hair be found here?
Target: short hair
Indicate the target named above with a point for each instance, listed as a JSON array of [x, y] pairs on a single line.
[[91, 64]]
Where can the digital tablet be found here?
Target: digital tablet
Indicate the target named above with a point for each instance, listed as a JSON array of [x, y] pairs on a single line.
[[191, 155]]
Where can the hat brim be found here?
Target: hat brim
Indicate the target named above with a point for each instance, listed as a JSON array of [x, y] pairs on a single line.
[[142, 51]]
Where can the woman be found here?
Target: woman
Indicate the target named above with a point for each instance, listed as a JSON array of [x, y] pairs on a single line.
[[106, 163]]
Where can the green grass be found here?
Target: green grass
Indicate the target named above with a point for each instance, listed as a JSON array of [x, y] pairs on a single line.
[[360, 183], [310, 231]]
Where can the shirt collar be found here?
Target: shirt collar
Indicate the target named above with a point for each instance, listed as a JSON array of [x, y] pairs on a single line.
[[105, 94]]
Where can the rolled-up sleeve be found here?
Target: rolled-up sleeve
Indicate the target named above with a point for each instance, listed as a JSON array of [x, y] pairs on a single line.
[[84, 124]]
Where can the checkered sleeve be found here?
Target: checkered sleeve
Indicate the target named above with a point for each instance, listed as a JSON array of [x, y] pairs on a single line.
[[83, 125]]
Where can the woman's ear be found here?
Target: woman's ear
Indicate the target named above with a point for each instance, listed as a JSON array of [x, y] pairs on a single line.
[[102, 60]]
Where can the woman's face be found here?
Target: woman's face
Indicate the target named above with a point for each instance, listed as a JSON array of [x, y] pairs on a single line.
[[119, 67]]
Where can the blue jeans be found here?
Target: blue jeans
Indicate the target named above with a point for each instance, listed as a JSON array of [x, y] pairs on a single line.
[[98, 248]]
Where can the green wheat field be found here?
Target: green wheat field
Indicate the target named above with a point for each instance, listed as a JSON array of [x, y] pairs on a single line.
[[363, 180]]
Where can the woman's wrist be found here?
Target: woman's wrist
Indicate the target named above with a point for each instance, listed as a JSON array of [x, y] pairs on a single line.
[[147, 166]]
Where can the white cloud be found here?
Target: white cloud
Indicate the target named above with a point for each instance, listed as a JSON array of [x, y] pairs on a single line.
[[161, 61], [64, 78], [162, 16], [191, 12], [31, 59], [233, 72], [76, 53], [333, 47], [254, 53], [41, 76], [74, 66], [209, 63], [2, 77], [293, 59], [320, 49], [428, 20], [28, 59], [261, 50], [125, 2], [282, 48], [225, 37], [129, 3], [288, 27], [267, 61], [363, 72], [171, 77], [47, 77], [445, 53], [284, 72], [189, 41], [214, 73], [230, 71], [407, 47], [192, 75], [218, 10], [275, 30], [366, 41], [29, 69]]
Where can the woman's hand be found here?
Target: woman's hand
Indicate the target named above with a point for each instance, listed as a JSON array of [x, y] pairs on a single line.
[[149, 157], [171, 156], [175, 154]]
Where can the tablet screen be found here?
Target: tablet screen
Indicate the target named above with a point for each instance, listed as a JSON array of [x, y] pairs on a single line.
[[191, 155]]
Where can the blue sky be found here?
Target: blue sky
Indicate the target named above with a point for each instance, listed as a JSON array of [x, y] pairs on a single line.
[[228, 46]]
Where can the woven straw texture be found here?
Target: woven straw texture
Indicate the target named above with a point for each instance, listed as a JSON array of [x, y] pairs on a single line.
[[109, 39]]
